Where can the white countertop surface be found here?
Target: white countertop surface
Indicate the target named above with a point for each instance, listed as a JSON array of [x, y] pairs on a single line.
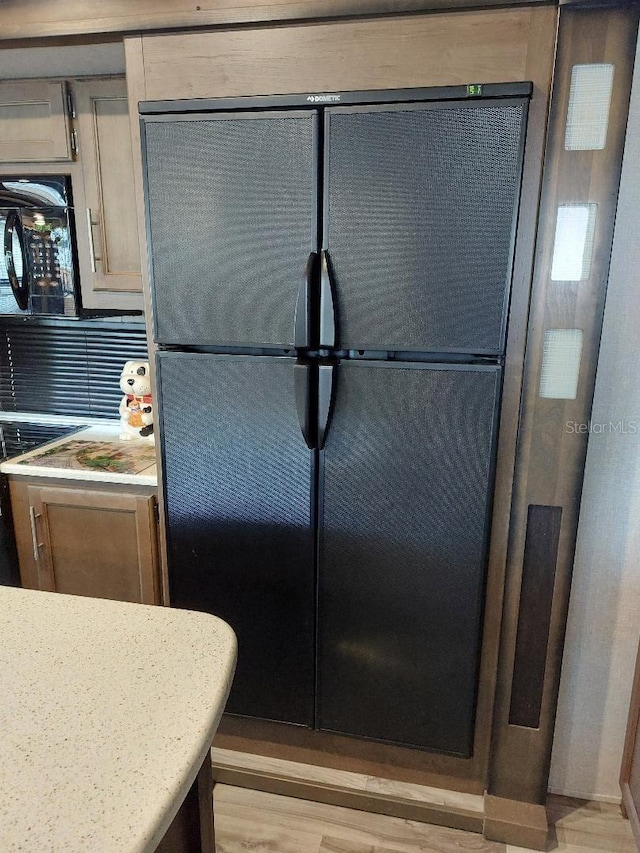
[[107, 710], [98, 431]]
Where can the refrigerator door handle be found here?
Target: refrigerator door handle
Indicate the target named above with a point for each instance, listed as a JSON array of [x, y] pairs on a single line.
[[326, 377], [327, 304], [302, 374], [302, 329], [20, 289]]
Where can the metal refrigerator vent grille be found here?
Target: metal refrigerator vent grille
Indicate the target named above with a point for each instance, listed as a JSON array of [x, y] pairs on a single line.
[[232, 212], [421, 209], [408, 484]]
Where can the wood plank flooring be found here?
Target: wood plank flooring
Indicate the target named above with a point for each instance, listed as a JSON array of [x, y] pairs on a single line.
[[250, 821]]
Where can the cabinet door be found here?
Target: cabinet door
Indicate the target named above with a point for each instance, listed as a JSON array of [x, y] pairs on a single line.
[[407, 480], [232, 212], [108, 225], [34, 125], [421, 202], [98, 544]]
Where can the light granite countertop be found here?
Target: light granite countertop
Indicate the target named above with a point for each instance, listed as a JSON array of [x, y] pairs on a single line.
[[105, 430], [107, 710]]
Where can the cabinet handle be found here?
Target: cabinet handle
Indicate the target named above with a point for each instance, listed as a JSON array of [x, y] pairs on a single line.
[[92, 252], [34, 533]]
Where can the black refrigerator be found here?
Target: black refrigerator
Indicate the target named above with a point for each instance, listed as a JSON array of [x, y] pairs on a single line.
[[330, 282]]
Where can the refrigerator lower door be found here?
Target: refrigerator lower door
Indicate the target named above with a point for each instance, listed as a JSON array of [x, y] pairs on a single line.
[[238, 478], [406, 481]]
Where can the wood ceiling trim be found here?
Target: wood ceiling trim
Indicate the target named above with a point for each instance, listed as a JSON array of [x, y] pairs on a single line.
[[41, 19]]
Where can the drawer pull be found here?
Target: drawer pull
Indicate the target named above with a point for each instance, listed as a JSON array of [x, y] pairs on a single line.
[[34, 534], [92, 251]]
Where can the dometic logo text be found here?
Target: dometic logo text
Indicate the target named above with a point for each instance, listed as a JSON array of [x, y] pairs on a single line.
[[323, 99]]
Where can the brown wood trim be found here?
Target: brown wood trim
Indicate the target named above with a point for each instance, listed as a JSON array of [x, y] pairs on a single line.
[[79, 496], [631, 746], [192, 828], [596, 4], [633, 724], [535, 31], [27, 479], [339, 752], [550, 458], [150, 76], [204, 783], [539, 69], [147, 535], [513, 822], [630, 811], [39, 19], [337, 795], [136, 92], [486, 45]]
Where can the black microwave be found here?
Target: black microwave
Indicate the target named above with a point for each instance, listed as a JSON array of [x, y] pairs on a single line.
[[38, 266]]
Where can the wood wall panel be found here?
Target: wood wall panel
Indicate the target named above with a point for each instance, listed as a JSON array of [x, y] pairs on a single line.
[[550, 457], [488, 46], [540, 60], [135, 93], [42, 19], [405, 51]]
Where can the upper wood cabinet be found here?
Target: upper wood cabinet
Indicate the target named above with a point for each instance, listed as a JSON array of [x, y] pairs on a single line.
[[81, 128], [107, 221], [34, 123]]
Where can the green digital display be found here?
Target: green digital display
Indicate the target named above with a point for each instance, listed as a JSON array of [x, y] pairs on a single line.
[[474, 89]]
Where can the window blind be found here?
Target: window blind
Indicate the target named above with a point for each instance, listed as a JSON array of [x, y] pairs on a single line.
[[67, 369]]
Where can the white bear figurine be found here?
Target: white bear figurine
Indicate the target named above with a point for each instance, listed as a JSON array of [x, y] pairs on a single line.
[[136, 410]]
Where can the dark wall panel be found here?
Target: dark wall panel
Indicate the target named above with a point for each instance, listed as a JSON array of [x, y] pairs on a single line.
[[534, 619]]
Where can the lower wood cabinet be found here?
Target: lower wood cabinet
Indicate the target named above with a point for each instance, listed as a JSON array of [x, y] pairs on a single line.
[[89, 540]]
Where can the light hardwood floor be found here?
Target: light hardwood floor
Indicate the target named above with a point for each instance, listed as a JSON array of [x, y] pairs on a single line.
[[255, 822]]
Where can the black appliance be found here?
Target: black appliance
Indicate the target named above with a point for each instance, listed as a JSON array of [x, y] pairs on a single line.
[[38, 272], [330, 280], [17, 437]]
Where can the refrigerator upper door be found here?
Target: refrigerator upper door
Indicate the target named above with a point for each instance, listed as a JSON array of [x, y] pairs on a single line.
[[238, 480], [420, 207], [406, 483], [232, 217]]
